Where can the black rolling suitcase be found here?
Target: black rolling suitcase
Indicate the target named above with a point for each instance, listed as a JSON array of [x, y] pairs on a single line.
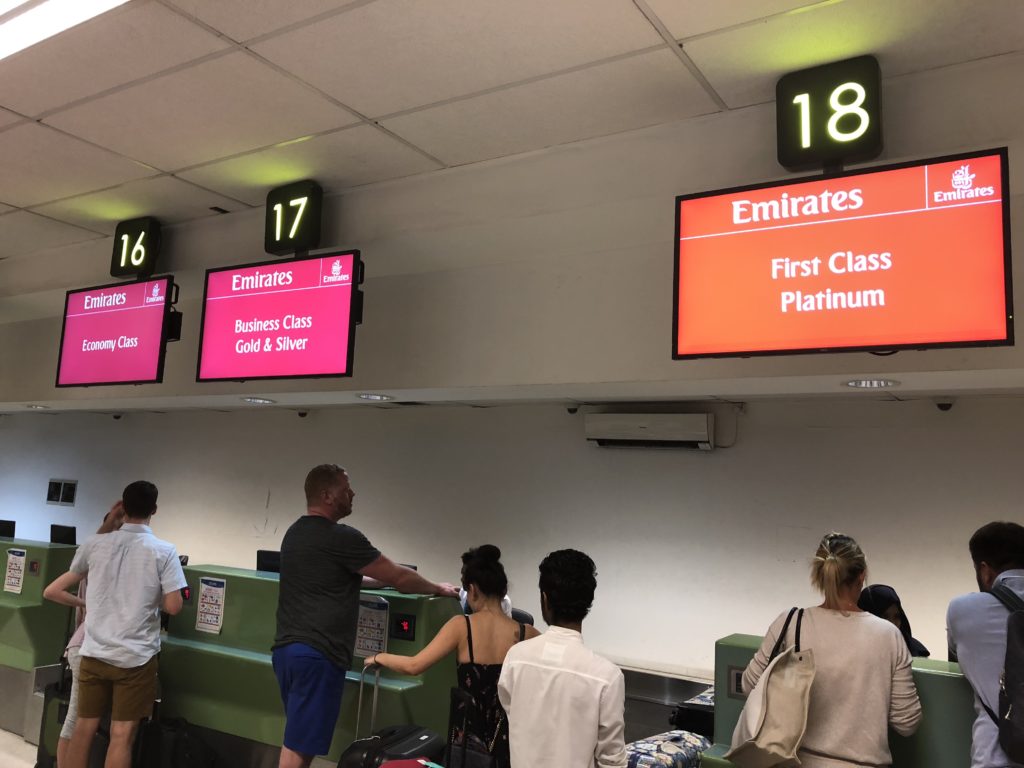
[[395, 742]]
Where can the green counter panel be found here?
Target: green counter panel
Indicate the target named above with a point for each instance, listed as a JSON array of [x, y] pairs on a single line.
[[943, 740], [225, 681], [33, 631]]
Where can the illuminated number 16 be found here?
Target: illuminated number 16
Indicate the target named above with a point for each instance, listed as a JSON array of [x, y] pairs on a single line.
[[839, 111], [138, 254], [300, 203]]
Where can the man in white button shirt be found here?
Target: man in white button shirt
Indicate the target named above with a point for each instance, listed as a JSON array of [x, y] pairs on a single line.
[[565, 703], [132, 576]]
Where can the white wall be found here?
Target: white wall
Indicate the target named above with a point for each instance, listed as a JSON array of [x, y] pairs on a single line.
[[689, 546]]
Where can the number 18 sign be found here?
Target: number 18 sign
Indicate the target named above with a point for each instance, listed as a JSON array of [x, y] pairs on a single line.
[[829, 114]]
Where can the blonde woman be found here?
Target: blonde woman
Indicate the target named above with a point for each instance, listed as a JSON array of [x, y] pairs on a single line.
[[863, 683]]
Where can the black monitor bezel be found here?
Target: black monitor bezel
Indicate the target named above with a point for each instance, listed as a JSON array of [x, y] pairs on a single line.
[[162, 354], [357, 271], [1001, 152], [55, 527]]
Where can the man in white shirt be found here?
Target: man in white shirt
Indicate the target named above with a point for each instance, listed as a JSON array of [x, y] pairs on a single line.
[[976, 629], [132, 576], [565, 703]]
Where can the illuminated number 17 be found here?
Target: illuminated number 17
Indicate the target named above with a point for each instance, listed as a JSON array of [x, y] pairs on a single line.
[[300, 203]]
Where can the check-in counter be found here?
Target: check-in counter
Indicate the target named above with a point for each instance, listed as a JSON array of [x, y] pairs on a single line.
[[943, 740], [224, 681], [33, 631]]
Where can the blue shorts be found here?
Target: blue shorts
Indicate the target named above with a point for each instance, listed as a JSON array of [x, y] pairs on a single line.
[[311, 687]]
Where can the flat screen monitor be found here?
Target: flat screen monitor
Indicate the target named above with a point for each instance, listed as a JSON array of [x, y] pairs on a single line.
[[115, 334], [268, 560], [907, 256], [63, 534], [281, 319], [7, 529]]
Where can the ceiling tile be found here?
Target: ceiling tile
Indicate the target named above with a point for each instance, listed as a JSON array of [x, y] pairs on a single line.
[[686, 18], [170, 200], [631, 93], [22, 233], [147, 38], [243, 20], [392, 55], [40, 164], [217, 108], [910, 36], [8, 118], [339, 160]]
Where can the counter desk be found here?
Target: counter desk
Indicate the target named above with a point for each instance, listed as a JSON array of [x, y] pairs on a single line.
[[943, 740], [222, 680], [33, 631]]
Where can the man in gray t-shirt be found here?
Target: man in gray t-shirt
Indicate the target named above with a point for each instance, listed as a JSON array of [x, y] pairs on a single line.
[[322, 568], [976, 628]]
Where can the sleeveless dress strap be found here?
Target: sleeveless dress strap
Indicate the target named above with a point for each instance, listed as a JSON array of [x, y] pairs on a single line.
[[469, 639]]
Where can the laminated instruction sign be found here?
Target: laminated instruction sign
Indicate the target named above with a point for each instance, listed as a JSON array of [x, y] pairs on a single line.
[[372, 630], [15, 571], [210, 614]]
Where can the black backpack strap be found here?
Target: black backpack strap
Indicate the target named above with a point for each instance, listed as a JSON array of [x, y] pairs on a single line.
[[990, 712], [799, 622], [469, 639], [1012, 602], [782, 635], [1007, 597]]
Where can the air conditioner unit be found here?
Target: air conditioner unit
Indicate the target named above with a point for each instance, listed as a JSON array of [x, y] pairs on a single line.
[[653, 430]]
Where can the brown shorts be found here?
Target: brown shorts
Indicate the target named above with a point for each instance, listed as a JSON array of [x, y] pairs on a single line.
[[127, 693]]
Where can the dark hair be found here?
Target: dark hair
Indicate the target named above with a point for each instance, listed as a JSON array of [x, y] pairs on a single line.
[[139, 499], [321, 478], [999, 544], [482, 566], [568, 577]]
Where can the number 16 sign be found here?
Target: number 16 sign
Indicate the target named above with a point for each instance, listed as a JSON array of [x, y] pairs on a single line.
[[829, 114]]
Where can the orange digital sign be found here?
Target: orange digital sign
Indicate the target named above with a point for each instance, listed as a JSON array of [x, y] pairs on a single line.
[[915, 255]]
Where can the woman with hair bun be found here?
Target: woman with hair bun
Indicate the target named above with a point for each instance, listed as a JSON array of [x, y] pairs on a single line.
[[481, 642], [862, 684]]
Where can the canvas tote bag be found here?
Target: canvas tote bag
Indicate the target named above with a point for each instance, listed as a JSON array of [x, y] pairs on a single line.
[[773, 721]]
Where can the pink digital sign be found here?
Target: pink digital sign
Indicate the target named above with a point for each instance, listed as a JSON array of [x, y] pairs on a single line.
[[114, 334], [280, 319]]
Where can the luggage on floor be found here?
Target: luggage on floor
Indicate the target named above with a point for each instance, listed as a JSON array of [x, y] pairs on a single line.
[[674, 749], [395, 742]]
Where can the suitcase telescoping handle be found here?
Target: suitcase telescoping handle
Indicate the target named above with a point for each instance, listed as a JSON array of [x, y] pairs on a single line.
[[359, 704]]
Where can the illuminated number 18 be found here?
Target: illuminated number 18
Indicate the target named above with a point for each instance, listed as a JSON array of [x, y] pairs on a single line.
[[300, 203], [138, 254], [839, 111]]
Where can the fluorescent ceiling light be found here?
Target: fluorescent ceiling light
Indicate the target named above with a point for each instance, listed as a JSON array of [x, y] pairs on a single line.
[[259, 400], [46, 20], [374, 396]]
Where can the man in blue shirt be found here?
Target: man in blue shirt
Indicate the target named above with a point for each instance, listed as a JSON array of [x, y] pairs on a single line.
[[976, 628]]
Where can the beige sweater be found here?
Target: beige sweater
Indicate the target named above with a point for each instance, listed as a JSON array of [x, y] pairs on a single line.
[[861, 686]]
